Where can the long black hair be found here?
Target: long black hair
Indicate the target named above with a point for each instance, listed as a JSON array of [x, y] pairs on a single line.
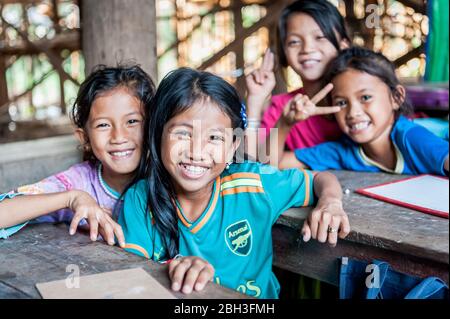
[[325, 14], [104, 79], [373, 63], [177, 92]]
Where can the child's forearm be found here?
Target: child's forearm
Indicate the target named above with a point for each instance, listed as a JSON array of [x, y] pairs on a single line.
[[23, 208], [255, 106], [327, 186], [276, 141]]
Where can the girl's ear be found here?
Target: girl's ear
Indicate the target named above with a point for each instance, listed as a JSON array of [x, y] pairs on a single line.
[[234, 148], [81, 136], [399, 97]]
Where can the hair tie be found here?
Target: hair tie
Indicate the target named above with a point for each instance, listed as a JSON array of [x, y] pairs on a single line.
[[244, 115]]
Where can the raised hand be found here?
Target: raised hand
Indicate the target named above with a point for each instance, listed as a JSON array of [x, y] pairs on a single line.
[[301, 107], [99, 219], [260, 84]]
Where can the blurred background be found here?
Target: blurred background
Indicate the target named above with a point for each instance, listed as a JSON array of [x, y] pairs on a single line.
[[48, 46]]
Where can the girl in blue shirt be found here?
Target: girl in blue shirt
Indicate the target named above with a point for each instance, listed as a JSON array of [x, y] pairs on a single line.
[[378, 137], [216, 213]]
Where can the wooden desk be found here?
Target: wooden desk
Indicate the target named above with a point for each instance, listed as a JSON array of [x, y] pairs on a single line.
[[411, 241], [41, 253]]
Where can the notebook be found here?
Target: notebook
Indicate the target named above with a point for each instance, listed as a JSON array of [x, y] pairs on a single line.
[[425, 193], [133, 283]]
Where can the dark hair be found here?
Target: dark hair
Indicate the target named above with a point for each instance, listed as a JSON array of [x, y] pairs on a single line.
[[104, 79], [177, 92], [376, 64], [326, 16]]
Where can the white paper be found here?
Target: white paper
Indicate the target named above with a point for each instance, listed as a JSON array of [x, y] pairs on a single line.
[[425, 191]]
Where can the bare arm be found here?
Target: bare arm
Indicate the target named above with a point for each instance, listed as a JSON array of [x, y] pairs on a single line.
[[20, 209]]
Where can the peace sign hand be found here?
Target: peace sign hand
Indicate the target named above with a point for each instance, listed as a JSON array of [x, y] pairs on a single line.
[[301, 107], [261, 82]]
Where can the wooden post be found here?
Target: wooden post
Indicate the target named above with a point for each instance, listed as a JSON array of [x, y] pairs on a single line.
[[119, 31], [240, 63]]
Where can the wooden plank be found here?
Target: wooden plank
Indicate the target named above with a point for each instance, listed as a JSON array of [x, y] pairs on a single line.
[[412, 241], [41, 253]]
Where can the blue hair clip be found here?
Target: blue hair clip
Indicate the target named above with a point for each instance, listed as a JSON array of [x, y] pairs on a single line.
[[244, 115]]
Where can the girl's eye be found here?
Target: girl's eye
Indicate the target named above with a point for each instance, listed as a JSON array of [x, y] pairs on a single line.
[[183, 134], [341, 103], [102, 125], [293, 43], [217, 138], [366, 98], [133, 121], [321, 37]]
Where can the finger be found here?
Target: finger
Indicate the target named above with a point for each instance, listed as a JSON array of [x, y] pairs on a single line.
[[333, 236], [322, 110], [322, 232], [313, 222], [179, 272], [109, 233], [259, 77], [192, 275], [344, 227], [74, 223], [204, 277], [119, 234], [267, 61], [306, 231], [172, 265], [322, 93], [93, 224]]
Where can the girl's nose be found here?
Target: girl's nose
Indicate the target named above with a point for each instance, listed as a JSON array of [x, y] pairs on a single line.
[[118, 136], [354, 110], [307, 46]]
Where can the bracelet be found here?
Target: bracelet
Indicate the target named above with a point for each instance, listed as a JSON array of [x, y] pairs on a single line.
[[253, 123]]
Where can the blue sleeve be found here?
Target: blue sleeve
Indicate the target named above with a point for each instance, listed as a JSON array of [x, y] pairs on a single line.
[[426, 151], [287, 188], [322, 157], [6, 232], [136, 222]]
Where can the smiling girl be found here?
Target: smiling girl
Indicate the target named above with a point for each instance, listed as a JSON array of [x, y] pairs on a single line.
[[195, 201], [108, 113]]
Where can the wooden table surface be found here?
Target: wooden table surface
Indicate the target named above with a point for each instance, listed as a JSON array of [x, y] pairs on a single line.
[[41, 253], [411, 241]]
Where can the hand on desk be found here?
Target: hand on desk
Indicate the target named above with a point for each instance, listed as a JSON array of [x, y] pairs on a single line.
[[189, 273], [99, 219], [326, 222]]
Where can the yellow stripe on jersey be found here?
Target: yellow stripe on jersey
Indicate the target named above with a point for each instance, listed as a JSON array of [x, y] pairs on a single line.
[[241, 182], [137, 248], [240, 175]]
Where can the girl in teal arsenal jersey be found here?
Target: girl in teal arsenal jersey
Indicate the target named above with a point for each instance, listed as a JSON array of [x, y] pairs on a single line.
[[206, 212]]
